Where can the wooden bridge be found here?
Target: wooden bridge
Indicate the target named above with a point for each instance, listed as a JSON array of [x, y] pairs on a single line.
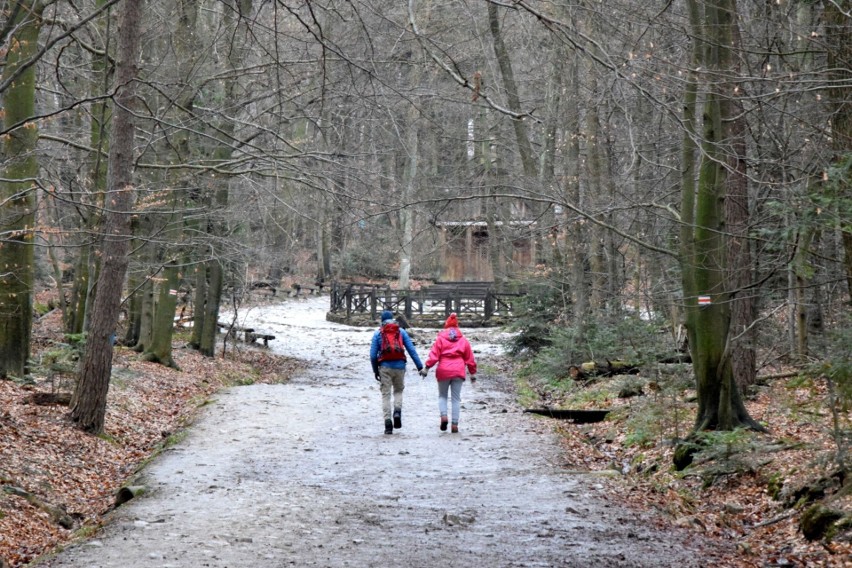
[[477, 304]]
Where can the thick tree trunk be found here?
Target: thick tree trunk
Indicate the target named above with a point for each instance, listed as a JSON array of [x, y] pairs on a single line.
[[160, 349], [720, 405], [88, 405], [18, 198], [145, 322]]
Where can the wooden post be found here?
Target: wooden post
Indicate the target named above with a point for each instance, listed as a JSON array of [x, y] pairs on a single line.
[[348, 297]]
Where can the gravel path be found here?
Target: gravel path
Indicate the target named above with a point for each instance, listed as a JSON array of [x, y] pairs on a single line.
[[302, 475]]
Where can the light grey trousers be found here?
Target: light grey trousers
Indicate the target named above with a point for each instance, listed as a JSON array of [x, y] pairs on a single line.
[[392, 382], [453, 387]]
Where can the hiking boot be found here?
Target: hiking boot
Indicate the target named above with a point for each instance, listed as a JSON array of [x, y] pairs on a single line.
[[397, 418], [455, 428], [443, 423], [388, 426]]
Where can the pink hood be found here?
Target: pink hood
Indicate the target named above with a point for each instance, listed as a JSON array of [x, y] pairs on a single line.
[[453, 354]]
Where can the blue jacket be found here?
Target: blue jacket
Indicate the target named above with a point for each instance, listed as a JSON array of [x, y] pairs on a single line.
[[376, 345]]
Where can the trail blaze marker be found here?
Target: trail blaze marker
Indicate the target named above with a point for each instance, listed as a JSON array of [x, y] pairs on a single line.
[[704, 300]]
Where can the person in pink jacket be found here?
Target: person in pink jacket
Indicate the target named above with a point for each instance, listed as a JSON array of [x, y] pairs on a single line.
[[453, 355]]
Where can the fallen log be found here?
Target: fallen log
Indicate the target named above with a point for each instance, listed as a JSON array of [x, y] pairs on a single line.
[[127, 493], [608, 369], [680, 358], [577, 416], [763, 379], [48, 398]]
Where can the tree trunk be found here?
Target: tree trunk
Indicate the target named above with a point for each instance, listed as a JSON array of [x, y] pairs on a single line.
[[134, 311], [594, 165], [236, 16], [88, 405], [513, 101], [160, 349], [80, 290], [211, 308], [838, 31], [577, 229], [740, 276], [18, 198], [187, 47], [412, 156], [198, 302], [720, 405], [86, 272], [323, 242], [145, 323], [687, 179], [802, 273]]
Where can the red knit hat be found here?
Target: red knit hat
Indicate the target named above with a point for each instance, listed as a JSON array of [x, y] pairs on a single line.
[[452, 321]]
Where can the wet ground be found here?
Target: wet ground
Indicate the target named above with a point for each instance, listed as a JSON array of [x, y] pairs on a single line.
[[302, 474]]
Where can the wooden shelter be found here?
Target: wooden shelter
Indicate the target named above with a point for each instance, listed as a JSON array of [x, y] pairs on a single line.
[[467, 247]]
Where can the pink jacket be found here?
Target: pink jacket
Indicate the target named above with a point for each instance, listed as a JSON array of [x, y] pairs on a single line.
[[452, 353]]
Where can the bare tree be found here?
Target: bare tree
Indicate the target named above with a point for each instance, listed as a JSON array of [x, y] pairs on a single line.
[[88, 403]]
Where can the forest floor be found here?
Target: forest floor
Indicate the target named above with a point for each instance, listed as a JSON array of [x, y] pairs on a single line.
[[296, 469]]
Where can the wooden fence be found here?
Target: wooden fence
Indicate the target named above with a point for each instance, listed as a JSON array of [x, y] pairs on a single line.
[[476, 303]]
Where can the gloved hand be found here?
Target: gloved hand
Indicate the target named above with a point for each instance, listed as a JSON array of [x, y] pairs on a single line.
[[424, 371], [378, 377]]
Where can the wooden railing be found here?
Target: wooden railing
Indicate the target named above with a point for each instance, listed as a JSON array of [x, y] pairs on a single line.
[[472, 301]]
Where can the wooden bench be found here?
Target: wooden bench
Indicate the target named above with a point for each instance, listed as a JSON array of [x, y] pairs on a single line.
[[263, 286], [313, 288], [234, 330], [249, 333], [253, 337]]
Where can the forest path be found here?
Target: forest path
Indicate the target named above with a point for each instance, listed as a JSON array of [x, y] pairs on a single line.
[[301, 474]]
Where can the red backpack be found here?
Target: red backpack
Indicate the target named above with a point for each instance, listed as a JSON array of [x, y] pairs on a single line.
[[392, 348]]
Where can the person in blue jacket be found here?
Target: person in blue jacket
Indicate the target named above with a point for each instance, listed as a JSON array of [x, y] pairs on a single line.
[[387, 355]]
